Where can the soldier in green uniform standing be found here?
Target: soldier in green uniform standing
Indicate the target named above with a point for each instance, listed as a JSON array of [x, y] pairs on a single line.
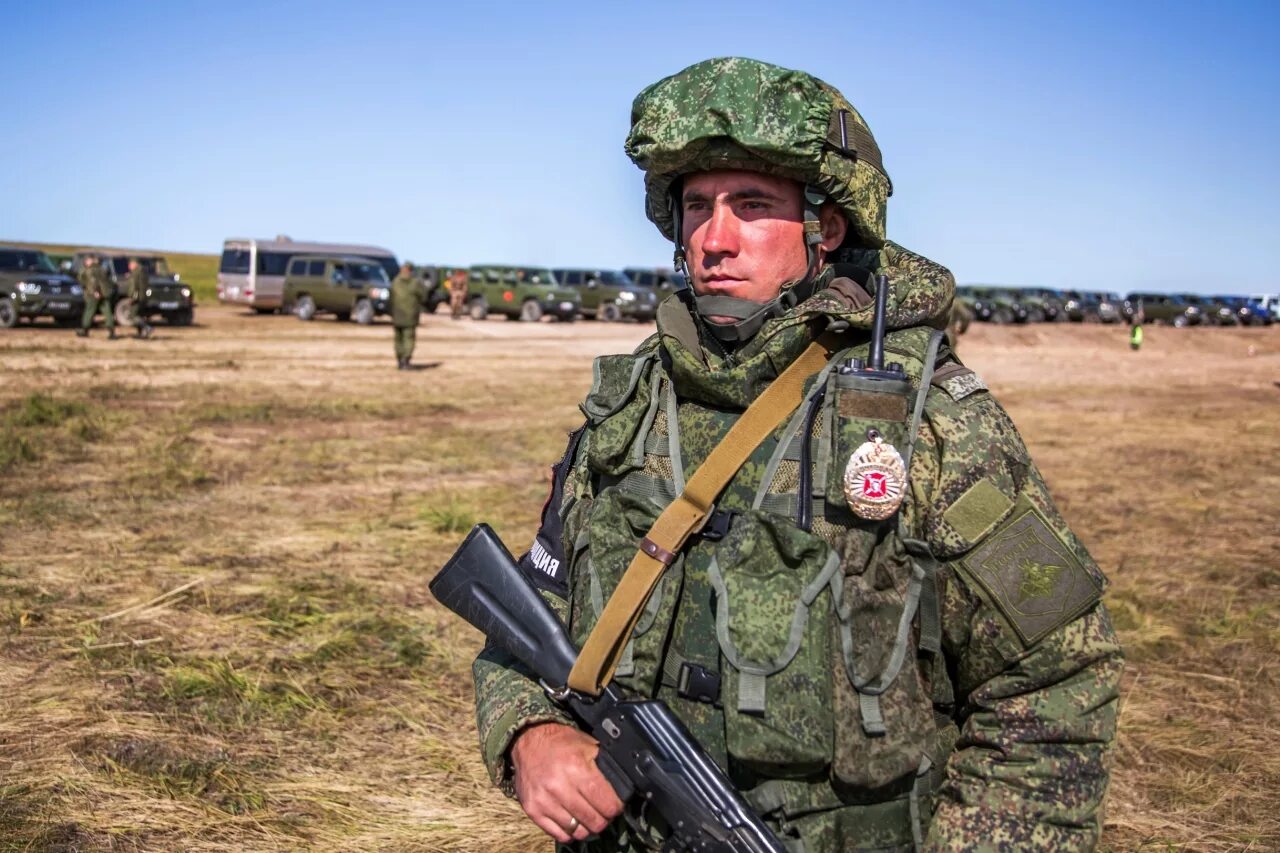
[[885, 633], [99, 293], [408, 295], [139, 281]]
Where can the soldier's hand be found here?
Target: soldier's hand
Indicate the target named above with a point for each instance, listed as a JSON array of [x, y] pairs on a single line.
[[557, 781]]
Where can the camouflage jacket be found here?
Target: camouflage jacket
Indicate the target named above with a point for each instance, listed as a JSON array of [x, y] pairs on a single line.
[[993, 732], [95, 282], [407, 297]]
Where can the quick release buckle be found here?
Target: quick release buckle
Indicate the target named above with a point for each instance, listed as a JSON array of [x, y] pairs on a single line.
[[717, 525], [698, 684]]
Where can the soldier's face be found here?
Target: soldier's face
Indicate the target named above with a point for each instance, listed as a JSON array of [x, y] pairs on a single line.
[[744, 233]]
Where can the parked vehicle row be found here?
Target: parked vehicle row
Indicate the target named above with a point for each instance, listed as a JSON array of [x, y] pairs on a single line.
[[33, 286], [1003, 305]]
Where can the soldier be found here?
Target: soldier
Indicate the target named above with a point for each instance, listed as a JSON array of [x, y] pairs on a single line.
[[458, 293], [139, 281], [408, 295], [885, 633], [99, 292]]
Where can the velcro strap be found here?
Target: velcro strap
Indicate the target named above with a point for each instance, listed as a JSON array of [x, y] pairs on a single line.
[[848, 135]]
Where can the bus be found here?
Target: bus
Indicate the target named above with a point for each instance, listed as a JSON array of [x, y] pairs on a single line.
[[251, 272]]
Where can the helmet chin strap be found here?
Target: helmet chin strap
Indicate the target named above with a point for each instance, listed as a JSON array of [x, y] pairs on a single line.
[[747, 315]]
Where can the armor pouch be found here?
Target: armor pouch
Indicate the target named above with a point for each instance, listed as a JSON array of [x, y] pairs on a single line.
[[616, 520], [774, 624], [882, 705]]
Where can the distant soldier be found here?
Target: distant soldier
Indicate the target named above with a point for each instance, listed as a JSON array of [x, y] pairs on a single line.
[[458, 293], [99, 292], [1135, 337], [139, 281], [408, 295], [958, 321]]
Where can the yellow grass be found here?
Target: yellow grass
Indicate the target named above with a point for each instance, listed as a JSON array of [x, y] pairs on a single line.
[[215, 632]]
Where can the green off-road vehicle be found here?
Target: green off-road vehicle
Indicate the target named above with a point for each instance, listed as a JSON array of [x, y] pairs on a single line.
[[31, 287], [519, 293], [1092, 306], [166, 296], [662, 279], [1043, 304], [610, 296], [999, 305], [346, 286], [1163, 309], [1216, 311]]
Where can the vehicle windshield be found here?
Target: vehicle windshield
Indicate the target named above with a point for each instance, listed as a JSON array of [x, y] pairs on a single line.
[[370, 272], [615, 279], [25, 260], [533, 275], [119, 264]]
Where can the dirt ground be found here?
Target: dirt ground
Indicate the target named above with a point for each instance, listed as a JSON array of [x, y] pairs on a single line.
[[215, 632]]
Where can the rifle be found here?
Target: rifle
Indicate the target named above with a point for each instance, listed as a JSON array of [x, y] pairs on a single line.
[[645, 751]]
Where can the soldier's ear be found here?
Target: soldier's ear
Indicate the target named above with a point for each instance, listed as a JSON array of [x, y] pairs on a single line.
[[834, 226]]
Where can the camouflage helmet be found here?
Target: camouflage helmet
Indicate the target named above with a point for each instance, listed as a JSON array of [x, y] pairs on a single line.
[[734, 113]]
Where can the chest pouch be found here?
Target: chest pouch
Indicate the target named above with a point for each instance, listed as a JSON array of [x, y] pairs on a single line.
[[603, 548], [774, 618], [882, 706]]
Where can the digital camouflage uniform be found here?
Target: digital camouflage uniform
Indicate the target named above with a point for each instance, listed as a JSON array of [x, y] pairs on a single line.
[[99, 294], [408, 294], [945, 679]]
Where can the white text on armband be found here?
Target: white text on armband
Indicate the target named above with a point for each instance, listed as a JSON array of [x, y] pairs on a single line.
[[543, 560]]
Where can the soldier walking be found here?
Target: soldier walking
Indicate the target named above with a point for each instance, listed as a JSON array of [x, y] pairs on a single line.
[[407, 298], [458, 293], [139, 280], [99, 292]]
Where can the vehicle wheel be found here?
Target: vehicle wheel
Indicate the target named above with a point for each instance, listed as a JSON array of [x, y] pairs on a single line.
[[1180, 321], [478, 309], [530, 312], [8, 314], [305, 308], [124, 312], [363, 312], [1002, 317], [609, 313]]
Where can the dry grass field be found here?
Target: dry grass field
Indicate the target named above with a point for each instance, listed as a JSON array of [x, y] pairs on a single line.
[[215, 632]]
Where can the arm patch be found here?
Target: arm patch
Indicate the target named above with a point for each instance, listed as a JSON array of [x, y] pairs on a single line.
[[1031, 575], [544, 563]]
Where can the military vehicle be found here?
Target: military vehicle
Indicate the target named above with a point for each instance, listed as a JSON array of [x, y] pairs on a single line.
[[1214, 312], [434, 278], [1162, 308], [251, 272], [998, 305], [662, 279], [1043, 304], [519, 293], [1086, 306], [348, 286], [166, 296], [610, 296], [31, 287]]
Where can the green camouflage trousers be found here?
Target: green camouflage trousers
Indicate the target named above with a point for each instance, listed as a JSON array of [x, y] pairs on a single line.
[[92, 305], [406, 339]]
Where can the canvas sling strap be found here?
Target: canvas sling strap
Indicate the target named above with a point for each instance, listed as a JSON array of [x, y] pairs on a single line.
[[685, 516]]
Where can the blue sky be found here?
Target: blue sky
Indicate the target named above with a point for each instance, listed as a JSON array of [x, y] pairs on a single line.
[[1116, 145]]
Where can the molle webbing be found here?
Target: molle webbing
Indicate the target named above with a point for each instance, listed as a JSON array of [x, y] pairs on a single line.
[[683, 517]]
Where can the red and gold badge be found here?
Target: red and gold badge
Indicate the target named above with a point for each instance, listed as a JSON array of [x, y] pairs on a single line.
[[875, 480]]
